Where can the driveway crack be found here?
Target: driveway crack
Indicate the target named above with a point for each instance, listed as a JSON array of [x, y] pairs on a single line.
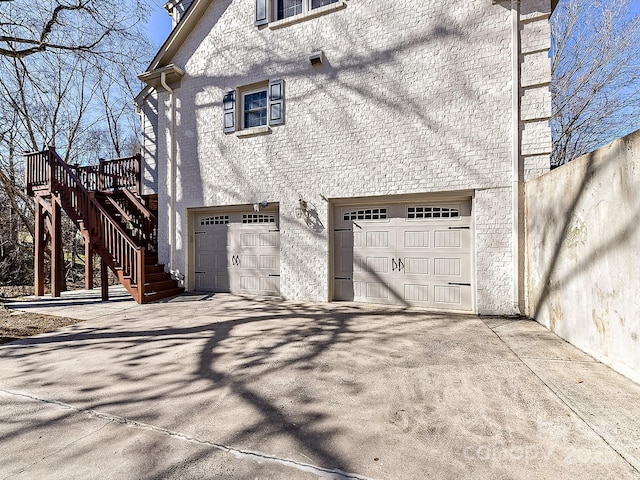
[[322, 472]]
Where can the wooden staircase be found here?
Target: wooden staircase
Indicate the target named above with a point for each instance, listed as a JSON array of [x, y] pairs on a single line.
[[104, 203]]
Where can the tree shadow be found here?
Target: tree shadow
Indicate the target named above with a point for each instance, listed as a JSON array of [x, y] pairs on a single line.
[[257, 372]]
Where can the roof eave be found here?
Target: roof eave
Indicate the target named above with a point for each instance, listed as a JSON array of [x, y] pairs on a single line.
[[179, 34], [153, 78]]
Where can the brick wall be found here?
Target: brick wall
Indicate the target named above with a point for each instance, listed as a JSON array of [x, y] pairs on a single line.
[[413, 97]]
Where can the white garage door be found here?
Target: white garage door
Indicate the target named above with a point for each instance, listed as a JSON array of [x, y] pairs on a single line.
[[416, 254], [238, 252]]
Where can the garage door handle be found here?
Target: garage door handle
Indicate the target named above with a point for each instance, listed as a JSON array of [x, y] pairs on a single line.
[[460, 284], [393, 265], [459, 228], [342, 278], [273, 275], [198, 233], [400, 264]]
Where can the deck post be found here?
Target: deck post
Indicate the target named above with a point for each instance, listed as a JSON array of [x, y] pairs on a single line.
[[104, 280], [57, 259], [138, 170], [39, 247], [141, 272], [88, 265]]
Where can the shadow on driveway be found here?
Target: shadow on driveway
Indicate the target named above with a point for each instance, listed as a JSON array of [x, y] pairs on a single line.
[[381, 391]]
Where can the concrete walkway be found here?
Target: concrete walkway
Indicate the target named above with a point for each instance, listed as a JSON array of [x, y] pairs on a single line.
[[226, 387]]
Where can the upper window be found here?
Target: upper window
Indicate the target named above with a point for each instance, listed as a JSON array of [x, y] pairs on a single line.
[[260, 105], [289, 8], [254, 108], [274, 10]]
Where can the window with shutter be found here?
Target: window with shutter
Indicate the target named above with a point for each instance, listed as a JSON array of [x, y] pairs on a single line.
[[258, 105]]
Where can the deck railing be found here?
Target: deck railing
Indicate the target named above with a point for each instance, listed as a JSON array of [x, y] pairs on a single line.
[[110, 175], [107, 176], [37, 171]]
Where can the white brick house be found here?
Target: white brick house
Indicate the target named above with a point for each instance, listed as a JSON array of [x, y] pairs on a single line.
[[349, 149]]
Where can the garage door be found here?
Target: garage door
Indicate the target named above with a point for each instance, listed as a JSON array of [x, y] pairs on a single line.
[[416, 254], [238, 252]]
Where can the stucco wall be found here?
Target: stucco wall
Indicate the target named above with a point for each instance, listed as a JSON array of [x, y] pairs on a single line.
[[413, 97], [583, 246]]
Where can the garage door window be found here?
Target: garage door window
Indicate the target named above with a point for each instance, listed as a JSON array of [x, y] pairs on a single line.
[[215, 220], [258, 218], [366, 214], [421, 212]]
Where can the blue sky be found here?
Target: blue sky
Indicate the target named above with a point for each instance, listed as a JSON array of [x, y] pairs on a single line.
[[159, 24]]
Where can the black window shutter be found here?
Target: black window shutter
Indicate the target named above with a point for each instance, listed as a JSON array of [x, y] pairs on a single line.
[[262, 12], [229, 111], [276, 102]]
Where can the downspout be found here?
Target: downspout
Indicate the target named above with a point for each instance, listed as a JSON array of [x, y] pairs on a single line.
[[515, 151], [172, 173]]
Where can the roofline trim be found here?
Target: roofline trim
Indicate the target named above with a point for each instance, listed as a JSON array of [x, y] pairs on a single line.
[[179, 34]]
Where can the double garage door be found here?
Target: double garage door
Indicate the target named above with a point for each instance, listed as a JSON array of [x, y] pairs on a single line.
[[238, 252], [415, 254]]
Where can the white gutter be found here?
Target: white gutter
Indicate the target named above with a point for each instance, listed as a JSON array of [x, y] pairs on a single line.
[[172, 173], [515, 150]]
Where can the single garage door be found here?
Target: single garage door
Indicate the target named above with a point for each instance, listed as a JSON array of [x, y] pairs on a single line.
[[416, 254], [238, 252]]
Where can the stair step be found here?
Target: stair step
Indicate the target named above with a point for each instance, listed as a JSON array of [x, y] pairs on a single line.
[[156, 276], [154, 296], [166, 284], [153, 269], [150, 259]]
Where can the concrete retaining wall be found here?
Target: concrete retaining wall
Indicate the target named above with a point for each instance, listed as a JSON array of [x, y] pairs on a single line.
[[583, 245]]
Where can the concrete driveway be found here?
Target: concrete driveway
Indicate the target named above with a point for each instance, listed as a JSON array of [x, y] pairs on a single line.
[[218, 387]]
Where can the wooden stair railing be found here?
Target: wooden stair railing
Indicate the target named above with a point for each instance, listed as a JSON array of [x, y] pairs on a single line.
[[144, 223], [107, 238], [124, 253]]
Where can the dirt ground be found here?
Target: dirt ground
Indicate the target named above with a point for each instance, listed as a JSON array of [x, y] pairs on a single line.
[[15, 324]]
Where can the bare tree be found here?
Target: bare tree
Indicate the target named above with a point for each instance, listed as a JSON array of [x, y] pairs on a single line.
[[67, 78], [31, 27], [595, 75]]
